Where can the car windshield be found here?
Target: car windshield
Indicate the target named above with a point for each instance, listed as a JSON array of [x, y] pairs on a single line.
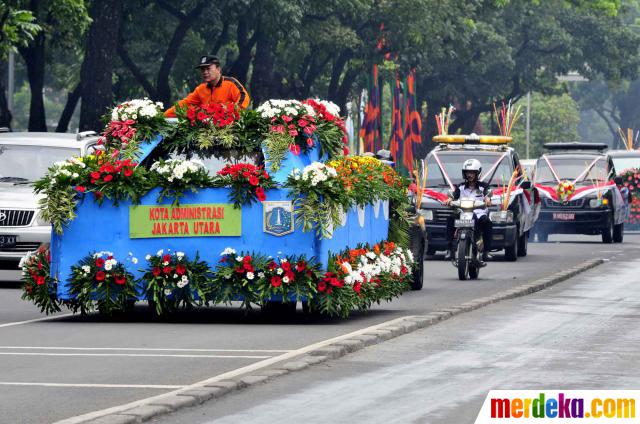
[[452, 163], [629, 162], [23, 163], [568, 168]]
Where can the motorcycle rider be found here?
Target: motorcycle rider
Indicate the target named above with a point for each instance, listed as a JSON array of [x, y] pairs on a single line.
[[472, 187]]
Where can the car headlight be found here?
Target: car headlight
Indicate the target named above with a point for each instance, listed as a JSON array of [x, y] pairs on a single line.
[[427, 214], [501, 217], [40, 220], [598, 203]]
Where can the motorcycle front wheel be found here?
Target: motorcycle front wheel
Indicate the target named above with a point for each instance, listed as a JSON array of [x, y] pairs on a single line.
[[464, 250]]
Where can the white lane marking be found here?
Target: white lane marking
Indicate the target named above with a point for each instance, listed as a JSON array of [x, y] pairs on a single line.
[[29, 321], [142, 349], [139, 355], [100, 386], [230, 374]]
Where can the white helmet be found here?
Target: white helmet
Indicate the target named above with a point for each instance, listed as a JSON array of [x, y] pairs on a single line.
[[471, 165]]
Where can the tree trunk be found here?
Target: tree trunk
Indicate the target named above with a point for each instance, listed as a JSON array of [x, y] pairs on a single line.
[[5, 113], [34, 57], [69, 108], [163, 90], [240, 68], [97, 68], [263, 83]]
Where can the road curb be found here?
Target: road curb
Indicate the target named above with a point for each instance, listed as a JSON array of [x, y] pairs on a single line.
[[380, 334]]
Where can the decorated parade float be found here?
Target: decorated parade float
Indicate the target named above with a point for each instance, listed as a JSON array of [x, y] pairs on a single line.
[[263, 207]]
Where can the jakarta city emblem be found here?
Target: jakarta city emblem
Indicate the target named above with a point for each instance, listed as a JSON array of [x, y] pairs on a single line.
[[278, 218]]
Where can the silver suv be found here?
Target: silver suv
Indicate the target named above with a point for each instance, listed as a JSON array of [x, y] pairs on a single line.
[[24, 158]]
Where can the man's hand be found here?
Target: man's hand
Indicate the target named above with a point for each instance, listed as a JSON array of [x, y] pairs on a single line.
[[487, 201]]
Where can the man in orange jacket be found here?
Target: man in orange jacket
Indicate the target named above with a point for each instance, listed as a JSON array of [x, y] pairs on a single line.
[[214, 89]]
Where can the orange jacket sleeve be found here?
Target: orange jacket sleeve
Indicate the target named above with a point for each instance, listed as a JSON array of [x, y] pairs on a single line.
[[192, 99], [239, 93]]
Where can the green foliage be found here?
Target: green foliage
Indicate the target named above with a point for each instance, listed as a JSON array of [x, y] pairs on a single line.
[[17, 28], [553, 119]]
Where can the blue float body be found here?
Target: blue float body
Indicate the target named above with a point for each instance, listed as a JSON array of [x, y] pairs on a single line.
[[106, 228]]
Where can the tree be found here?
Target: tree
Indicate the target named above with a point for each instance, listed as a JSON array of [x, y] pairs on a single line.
[[97, 68], [17, 29], [504, 51], [553, 119], [63, 22]]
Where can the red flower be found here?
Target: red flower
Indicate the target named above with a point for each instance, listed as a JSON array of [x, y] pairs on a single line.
[[295, 149], [120, 279], [156, 271], [127, 172], [167, 270], [260, 194], [276, 281], [181, 269], [287, 118], [253, 180], [303, 123], [95, 175], [322, 286], [40, 281], [107, 178], [99, 262], [271, 266], [286, 266], [109, 169], [345, 150], [100, 276], [247, 259], [240, 270], [356, 288], [191, 113], [166, 258], [290, 275], [300, 266], [39, 265], [80, 189], [310, 142]]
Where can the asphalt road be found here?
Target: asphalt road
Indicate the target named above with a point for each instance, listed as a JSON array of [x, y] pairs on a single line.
[[582, 334], [73, 365]]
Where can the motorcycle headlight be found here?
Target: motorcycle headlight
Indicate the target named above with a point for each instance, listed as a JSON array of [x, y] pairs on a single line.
[[501, 217], [40, 220], [467, 204], [427, 214]]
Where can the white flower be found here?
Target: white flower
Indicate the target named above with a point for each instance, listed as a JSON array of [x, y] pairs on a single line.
[[180, 255], [181, 284], [261, 275], [285, 279], [160, 252], [86, 268], [175, 276], [165, 263], [228, 251], [184, 279], [371, 255], [239, 258], [250, 275], [167, 292], [279, 271], [134, 260], [108, 266], [147, 257]]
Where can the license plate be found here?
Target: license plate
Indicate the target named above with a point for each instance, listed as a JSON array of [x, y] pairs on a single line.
[[561, 216], [463, 223], [7, 241]]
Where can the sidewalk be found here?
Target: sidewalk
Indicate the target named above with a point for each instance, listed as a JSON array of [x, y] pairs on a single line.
[[581, 334]]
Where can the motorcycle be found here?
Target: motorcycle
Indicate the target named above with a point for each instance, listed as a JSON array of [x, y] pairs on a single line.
[[468, 243]]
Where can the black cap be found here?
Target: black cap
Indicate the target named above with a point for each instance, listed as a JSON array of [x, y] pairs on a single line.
[[208, 60]]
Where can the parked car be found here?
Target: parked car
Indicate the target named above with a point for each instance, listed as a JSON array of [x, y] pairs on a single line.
[[625, 159], [594, 206], [25, 157], [499, 161]]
